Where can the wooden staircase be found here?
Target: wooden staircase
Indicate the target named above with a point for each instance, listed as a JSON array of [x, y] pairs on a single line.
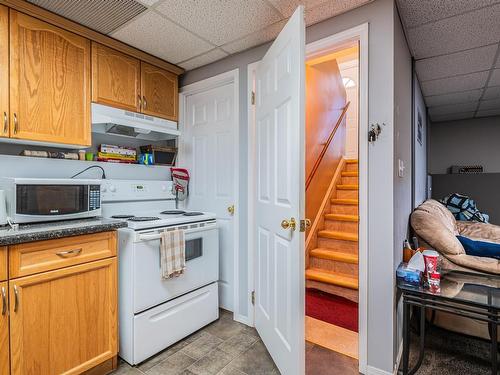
[[332, 264]]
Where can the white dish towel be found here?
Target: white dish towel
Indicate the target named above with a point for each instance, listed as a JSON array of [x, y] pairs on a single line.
[[172, 254]]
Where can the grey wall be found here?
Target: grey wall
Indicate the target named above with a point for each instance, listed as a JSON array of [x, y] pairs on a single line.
[[402, 152], [420, 162], [465, 142], [380, 16]]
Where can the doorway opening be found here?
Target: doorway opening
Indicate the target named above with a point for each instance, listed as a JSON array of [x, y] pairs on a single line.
[[332, 203]]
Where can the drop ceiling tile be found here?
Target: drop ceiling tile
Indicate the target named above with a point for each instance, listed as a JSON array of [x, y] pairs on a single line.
[[255, 39], [454, 84], [465, 31], [491, 93], [452, 109], [452, 117], [417, 12], [287, 7], [330, 9], [454, 98], [220, 21], [102, 16], [495, 78], [206, 58], [165, 40], [489, 104], [464, 62], [487, 113]]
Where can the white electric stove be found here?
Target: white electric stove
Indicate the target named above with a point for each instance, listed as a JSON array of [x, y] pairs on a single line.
[[155, 313]]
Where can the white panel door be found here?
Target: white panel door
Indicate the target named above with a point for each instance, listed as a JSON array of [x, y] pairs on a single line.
[[209, 153], [279, 195]]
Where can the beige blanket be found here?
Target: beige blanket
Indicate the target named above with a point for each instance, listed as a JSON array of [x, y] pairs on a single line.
[[172, 254]]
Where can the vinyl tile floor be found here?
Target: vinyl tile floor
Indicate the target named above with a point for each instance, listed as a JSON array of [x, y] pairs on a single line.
[[224, 347]]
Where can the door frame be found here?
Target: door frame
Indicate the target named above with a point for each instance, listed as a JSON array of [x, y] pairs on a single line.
[[315, 49], [230, 77]]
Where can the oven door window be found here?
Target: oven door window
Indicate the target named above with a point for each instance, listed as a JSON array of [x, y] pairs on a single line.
[[194, 248], [51, 199]]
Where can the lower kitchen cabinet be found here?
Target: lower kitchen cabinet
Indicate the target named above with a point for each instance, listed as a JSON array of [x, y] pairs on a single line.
[[63, 321], [4, 329]]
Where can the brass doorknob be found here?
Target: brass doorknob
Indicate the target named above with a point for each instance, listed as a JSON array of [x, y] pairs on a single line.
[[289, 224], [230, 209]]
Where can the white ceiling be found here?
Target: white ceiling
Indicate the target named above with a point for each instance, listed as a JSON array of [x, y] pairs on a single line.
[[456, 46], [192, 33]]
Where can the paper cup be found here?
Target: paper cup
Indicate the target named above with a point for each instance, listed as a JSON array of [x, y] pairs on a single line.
[[430, 260]]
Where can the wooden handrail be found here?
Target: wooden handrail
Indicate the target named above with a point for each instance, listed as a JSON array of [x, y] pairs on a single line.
[[326, 145]]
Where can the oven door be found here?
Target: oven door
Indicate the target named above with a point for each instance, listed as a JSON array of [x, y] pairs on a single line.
[[202, 265]]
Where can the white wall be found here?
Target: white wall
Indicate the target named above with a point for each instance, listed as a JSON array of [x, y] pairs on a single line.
[[380, 16], [465, 142], [350, 70], [402, 152], [420, 161]]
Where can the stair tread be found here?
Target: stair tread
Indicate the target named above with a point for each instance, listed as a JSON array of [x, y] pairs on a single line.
[[342, 217], [351, 161], [347, 187], [331, 254], [333, 278], [336, 235], [353, 202], [350, 174]]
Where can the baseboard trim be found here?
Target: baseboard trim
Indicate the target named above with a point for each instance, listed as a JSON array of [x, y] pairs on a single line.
[[370, 370]]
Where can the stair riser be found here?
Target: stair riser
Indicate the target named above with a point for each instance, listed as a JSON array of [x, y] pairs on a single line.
[[341, 226], [350, 180], [345, 246], [350, 294], [343, 209], [347, 194], [335, 266], [351, 167]]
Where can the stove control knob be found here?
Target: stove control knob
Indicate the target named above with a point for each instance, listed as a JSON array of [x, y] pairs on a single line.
[[103, 189], [163, 188], [112, 188]]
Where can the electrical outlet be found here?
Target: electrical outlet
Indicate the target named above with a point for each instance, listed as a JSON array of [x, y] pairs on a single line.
[[401, 168]]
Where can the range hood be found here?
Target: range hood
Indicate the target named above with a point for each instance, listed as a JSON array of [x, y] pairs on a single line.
[[123, 123]]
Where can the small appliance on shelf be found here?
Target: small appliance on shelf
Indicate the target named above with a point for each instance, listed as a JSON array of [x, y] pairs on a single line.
[[161, 155]]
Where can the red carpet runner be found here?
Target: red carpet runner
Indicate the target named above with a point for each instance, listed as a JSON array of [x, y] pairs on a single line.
[[332, 309]]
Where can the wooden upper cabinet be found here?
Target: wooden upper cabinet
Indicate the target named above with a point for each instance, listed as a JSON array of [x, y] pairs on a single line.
[[4, 71], [116, 78], [64, 321], [3, 263], [159, 92], [4, 329], [49, 82]]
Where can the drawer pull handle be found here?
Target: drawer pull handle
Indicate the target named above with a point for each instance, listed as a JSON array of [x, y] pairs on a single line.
[[64, 254], [4, 301], [5, 123], [15, 123], [140, 102], [16, 298], [144, 102]]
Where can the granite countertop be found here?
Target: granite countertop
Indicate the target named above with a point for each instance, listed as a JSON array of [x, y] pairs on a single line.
[[57, 229]]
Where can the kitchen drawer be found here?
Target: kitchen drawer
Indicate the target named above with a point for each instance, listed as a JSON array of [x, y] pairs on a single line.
[[34, 257], [3, 263]]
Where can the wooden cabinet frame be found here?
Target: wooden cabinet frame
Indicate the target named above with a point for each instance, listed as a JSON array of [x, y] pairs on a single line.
[[4, 72]]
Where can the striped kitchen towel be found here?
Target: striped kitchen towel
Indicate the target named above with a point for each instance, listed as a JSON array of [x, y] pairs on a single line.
[[172, 254]]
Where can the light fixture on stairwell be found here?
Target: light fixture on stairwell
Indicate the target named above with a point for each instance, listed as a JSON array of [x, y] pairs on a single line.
[[348, 82]]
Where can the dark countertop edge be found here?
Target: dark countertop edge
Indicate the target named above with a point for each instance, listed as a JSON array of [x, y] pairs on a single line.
[[19, 238]]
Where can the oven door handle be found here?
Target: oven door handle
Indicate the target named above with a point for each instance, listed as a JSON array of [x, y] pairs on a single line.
[[157, 235]]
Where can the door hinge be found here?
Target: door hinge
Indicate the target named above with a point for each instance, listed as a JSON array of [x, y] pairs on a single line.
[[253, 297], [253, 97]]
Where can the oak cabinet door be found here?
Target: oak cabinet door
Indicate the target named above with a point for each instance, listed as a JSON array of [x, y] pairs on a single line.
[[49, 82], [4, 329], [3, 263], [159, 92], [4, 71], [116, 78], [64, 321]]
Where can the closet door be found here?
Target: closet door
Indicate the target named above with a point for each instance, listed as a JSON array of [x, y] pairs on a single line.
[[116, 78], [159, 92], [4, 71], [49, 83]]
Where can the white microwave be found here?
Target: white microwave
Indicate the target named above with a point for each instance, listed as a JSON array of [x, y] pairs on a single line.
[[30, 200]]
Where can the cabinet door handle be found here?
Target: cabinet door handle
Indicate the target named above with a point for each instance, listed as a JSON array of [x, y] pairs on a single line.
[[140, 102], [75, 252], [5, 122], [4, 301], [15, 123], [144, 102], [16, 298]]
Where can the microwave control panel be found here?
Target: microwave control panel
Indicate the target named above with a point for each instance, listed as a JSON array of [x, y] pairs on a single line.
[[94, 197]]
